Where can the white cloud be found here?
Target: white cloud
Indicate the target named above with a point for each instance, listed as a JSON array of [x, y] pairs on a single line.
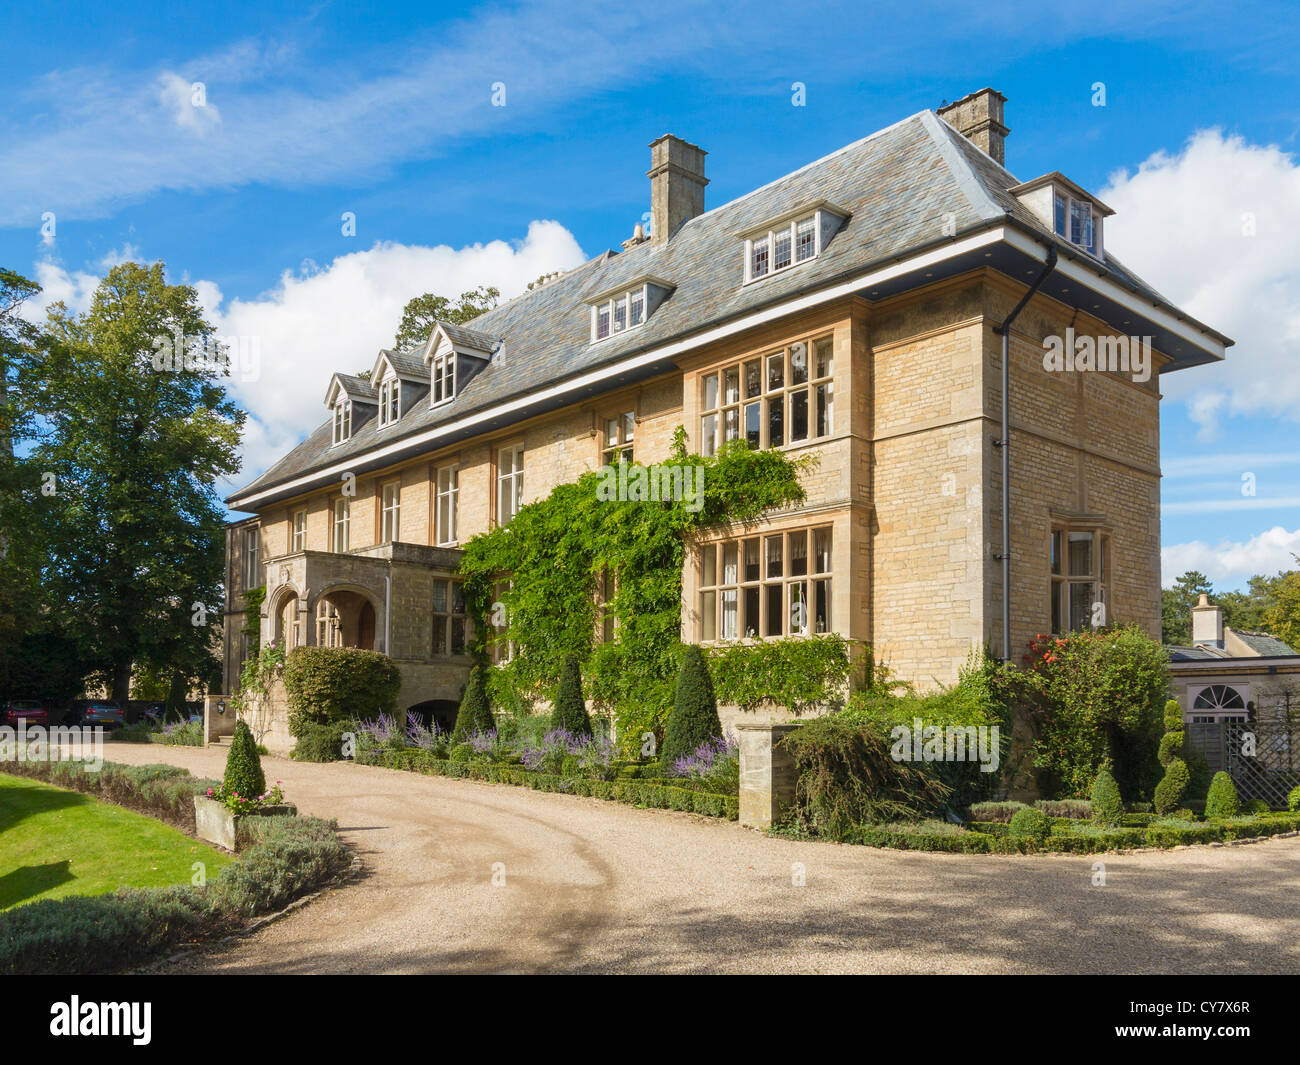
[[1213, 227], [1230, 563], [337, 317]]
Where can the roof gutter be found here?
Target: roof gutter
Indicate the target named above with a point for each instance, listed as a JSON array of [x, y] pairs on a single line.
[[1004, 443]]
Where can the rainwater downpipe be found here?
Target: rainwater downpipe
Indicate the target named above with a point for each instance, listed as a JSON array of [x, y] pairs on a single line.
[[1004, 443]]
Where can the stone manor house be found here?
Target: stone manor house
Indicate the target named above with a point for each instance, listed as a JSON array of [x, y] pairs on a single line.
[[850, 308]]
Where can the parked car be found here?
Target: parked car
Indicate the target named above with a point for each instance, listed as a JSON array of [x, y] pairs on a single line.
[[103, 712], [27, 709]]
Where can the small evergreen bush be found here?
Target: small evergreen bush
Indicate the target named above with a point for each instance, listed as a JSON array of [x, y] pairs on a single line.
[[1173, 716], [1107, 805], [1030, 823], [475, 714], [1170, 790], [1171, 748], [1293, 800], [1255, 806], [693, 719], [244, 776], [569, 710], [1222, 799]]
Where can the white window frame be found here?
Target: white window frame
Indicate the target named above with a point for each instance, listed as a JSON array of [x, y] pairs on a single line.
[[618, 438], [252, 558], [1064, 227], [390, 511], [298, 531], [725, 415], [767, 242], [510, 482], [627, 301], [446, 511], [341, 539], [729, 594], [442, 378], [390, 401], [342, 421], [1062, 580]]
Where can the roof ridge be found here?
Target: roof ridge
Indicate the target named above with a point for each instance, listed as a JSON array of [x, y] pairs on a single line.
[[968, 180]]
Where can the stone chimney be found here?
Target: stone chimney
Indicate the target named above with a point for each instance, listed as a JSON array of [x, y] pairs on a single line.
[[978, 118], [1207, 624], [676, 185]]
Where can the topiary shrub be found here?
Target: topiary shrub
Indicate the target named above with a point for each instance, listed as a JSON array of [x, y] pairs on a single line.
[[694, 716], [475, 714], [1222, 800], [1030, 824], [244, 774], [1171, 748], [326, 685], [1293, 799], [569, 710], [1173, 716], [1169, 792], [462, 752], [1107, 806]]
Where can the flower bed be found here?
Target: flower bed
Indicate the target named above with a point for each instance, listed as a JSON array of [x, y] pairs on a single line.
[[654, 793]]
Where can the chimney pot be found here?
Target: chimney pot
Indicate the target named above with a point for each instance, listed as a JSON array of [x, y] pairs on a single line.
[[978, 118], [676, 185]]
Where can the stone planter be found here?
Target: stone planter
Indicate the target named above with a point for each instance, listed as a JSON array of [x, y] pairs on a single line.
[[215, 823]]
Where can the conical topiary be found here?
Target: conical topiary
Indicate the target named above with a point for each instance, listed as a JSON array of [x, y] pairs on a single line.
[[1107, 805], [244, 776], [1173, 716], [475, 714], [694, 716], [1222, 800], [1169, 792], [569, 711]]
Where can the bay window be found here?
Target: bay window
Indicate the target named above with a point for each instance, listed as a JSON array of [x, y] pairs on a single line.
[[766, 587]]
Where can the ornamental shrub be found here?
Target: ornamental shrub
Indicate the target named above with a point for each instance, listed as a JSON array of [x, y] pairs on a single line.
[[1030, 824], [475, 714], [1255, 806], [1169, 792], [847, 777], [1095, 697], [1293, 799], [1173, 716], [328, 684], [569, 711], [1107, 806], [1222, 801], [244, 776], [694, 717], [1171, 748]]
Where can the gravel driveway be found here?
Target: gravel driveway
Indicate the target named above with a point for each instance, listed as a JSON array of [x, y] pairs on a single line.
[[590, 886]]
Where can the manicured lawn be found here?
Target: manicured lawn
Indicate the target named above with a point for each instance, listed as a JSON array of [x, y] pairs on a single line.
[[55, 842]]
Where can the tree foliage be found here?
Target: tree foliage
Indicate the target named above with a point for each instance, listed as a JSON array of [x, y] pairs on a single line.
[[422, 312], [134, 526]]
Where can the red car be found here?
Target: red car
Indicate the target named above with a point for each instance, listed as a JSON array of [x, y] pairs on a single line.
[[26, 709]]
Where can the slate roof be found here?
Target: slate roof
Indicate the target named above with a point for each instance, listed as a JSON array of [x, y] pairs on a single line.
[[1264, 644], [897, 184], [407, 363]]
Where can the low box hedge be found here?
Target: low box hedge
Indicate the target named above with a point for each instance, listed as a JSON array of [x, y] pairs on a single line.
[[650, 793]]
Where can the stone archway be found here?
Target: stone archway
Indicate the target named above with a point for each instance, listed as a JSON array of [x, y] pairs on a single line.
[[345, 617]]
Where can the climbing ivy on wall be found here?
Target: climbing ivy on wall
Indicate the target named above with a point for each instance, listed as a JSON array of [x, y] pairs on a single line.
[[555, 553]]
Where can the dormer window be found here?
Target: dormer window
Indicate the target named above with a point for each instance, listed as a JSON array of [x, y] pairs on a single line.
[[342, 420], [390, 401], [443, 377], [627, 306], [620, 312], [789, 240], [1069, 211]]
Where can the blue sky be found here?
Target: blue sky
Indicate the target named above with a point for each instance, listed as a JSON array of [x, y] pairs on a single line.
[[310, 112]]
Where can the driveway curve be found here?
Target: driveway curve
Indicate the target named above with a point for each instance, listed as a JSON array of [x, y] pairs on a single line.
[[470, 877]]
